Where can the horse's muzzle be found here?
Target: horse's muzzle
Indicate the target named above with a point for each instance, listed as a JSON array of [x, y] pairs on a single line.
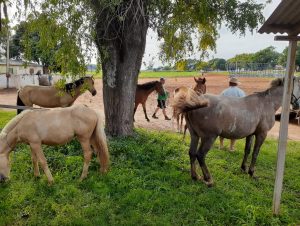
[[94, 92], [2, 178]]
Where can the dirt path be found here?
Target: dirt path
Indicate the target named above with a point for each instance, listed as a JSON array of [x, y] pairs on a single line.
[[215, 84]]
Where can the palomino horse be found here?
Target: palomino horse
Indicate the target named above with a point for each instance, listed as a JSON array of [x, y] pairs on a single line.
[[200, 88], [232, 118], [142, 93], [53, 127], [50, 96]]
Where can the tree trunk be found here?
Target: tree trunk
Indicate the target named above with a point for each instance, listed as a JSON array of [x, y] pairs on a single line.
[[121, 61]]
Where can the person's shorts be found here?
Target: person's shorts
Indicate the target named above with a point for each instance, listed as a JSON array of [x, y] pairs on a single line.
[[161, 104]]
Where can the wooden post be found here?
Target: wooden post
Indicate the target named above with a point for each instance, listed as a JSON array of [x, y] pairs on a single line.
[[284, 121], [7, 59]]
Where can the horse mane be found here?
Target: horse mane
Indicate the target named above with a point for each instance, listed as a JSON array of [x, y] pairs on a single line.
[[147, 85], [274, 83], [72, 85], [12, 123], [187, 101]]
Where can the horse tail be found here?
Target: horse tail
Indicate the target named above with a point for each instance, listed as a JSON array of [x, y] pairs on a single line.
[[99, 143], [19, 103], [187, 101]]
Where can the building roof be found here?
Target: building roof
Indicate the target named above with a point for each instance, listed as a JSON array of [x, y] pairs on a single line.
[[284, 19], [19, 63]]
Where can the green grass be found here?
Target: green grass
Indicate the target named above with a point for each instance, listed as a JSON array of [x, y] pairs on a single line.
[[166, 74], [149, 184]]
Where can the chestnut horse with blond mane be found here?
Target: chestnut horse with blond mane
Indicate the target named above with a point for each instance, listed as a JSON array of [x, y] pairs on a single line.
[[200, 88], [54, 127], [51, 97]]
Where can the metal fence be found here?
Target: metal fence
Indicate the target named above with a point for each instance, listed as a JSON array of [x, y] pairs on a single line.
[[251, 69]]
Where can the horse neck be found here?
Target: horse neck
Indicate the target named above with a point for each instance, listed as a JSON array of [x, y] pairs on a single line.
[[150, 90], [275, 96], [8, 141], [77, 92], [202, 90]]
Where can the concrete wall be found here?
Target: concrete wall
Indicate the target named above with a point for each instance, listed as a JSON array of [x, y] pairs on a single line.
[[18, 81]]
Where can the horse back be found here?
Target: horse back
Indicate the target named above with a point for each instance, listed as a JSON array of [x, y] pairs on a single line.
[[229, 117]]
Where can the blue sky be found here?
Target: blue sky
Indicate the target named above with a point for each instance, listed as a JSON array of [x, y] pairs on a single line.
[[228, 44]]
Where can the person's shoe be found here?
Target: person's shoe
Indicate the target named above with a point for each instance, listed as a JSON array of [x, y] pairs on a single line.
[[167, 118], [154, 116]]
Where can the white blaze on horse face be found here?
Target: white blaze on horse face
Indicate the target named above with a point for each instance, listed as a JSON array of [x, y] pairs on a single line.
[[4, 166]]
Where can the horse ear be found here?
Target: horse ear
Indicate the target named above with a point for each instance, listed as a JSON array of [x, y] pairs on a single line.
[[195, 80], [203, 80]]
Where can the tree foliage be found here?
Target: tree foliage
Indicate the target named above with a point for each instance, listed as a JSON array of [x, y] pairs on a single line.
[[283, 57], [267, 56], [244, 57], [176, 22], [119, 28]]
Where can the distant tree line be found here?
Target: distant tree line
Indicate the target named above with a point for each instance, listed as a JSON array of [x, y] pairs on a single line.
[[267, 57]]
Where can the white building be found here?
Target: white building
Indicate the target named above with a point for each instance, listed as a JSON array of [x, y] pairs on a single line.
[[20, 74]]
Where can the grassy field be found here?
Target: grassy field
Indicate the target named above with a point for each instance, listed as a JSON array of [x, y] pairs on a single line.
[[166, 74], [148, 184]]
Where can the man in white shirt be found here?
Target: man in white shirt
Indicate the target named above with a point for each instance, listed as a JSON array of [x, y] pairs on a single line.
[[232, 91]]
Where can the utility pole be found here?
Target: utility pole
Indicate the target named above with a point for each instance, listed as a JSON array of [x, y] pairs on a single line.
[[7, 60]]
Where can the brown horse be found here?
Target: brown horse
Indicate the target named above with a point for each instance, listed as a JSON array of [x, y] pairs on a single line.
[[53, 127], [142, 93], [232, 118], [50, 96], [200, 88]]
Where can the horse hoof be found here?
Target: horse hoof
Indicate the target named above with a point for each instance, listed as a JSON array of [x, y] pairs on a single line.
[[196, 178], [50, 183], [103, 171], [148, 120], [251, 172], [209, 183], [244, 169]]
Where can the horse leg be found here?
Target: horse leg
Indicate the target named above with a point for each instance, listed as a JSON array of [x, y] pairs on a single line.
[[181, 122], [36, 170], [259, 139], [145, 112], [232, 143], [221, 147], [248, 145], [184, 131], [178, 124], [134, 110], [87, 154], [193, 155], [206, 144], [36, 148]]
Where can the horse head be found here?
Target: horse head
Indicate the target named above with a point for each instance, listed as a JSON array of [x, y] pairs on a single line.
[[159, 88], [4, 161], [90, 82], [200, 86], [295, 101]]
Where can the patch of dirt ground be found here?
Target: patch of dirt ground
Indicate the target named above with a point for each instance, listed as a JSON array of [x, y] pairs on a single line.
[[215, 84]]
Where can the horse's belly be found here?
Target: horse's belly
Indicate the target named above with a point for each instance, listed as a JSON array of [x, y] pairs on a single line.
[[57, 140]]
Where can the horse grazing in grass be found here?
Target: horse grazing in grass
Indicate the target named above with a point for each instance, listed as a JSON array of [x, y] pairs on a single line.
[[142, 93], [232, 118], [50, 96], [54, 127], [200, 88]]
